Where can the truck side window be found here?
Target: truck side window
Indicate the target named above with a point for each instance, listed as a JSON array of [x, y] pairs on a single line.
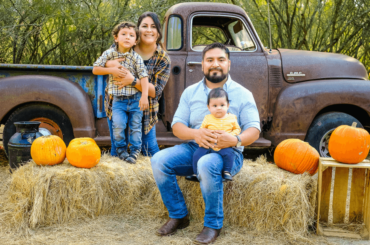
[[174, 34], [241, 36], [231, 31]]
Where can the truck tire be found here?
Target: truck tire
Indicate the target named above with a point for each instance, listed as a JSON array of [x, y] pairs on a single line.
[[52, 118], [318, 134]]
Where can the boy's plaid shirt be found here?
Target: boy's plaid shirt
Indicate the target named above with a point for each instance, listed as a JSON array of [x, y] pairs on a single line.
[[133, 62], [158, 68]]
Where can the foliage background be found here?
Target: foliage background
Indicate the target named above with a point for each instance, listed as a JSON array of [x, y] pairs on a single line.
[[76, 32]]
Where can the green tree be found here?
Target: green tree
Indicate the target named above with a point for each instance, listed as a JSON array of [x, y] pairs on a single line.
[[75, 32]]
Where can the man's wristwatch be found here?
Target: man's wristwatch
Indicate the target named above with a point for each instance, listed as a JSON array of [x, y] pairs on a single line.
[[134, 82], [239, 141]]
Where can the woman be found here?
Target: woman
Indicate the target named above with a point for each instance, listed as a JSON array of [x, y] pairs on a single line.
[[157, 63]]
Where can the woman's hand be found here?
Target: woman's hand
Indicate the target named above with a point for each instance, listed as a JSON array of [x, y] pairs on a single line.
[[117, 72], [114, 63], [125, 79]]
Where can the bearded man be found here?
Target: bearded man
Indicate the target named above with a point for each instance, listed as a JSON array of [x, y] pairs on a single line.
[[177, 160]]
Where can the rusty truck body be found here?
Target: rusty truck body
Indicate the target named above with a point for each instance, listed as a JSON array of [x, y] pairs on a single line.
[[299, 94]]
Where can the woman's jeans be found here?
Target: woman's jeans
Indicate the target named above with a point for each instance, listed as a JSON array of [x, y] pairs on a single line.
[[177, 160], [149, 144]]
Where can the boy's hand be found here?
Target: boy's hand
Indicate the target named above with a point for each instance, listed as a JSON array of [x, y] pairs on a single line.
[[143, 103], [117, 72]]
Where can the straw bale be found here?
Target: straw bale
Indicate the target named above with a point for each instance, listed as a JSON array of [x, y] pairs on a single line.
[[262, 198]]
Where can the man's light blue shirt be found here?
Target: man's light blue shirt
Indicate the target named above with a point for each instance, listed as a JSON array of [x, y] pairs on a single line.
[[193, 106]]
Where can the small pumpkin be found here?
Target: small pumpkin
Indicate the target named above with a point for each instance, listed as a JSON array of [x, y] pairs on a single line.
[[348, 144], [83, 153], [48, 150], [296, 156]]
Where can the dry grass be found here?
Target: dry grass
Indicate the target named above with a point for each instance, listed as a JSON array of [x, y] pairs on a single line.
[[268, 202]]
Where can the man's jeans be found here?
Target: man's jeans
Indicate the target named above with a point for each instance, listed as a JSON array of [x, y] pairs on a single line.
[[177, 160], [126, 110], [149, 144]]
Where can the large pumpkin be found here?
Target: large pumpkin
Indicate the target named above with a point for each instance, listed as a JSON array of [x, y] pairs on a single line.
[[348, 144], [48, 150], [83, 153], [296, 156]]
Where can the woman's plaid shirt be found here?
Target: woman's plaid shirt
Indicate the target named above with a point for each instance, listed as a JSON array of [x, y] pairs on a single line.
[[158, 69], [133, 62]]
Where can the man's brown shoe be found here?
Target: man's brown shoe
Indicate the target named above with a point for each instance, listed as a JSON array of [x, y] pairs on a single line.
[[207, 235], [171, 226]]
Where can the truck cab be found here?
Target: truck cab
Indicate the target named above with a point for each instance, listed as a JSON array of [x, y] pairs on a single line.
[[189, 27]]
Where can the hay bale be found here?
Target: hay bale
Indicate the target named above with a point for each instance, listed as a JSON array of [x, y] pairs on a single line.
[[261, 198]]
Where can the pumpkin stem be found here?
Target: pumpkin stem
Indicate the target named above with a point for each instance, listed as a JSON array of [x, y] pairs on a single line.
[[354, 124]]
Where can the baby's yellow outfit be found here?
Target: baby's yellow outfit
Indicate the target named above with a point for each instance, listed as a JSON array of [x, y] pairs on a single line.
[[229, 124]]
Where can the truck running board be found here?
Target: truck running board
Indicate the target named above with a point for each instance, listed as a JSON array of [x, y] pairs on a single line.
[[167, 138]]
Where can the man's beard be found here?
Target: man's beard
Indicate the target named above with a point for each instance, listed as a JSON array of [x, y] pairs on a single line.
[[213, 78]]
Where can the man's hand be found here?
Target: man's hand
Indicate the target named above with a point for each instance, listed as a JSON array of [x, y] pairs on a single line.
[[206, 138], [143, 103], [225, 140]]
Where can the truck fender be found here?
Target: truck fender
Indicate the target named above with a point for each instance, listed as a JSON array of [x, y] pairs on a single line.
[[68, 96], [297, 105]]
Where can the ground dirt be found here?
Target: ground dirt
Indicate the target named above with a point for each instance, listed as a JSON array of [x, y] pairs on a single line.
[[131, 229]]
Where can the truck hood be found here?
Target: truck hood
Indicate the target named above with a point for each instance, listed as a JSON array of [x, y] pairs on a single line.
[[300, 66]]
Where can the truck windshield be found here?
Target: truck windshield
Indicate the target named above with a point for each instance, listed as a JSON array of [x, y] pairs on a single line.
[[223, 29]]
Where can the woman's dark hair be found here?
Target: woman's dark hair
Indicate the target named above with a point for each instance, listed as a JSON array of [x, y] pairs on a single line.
[[217, 93], [156, 21]]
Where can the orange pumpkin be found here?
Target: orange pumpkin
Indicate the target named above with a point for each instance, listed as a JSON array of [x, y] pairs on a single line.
[[48, 150], [296, 156], [348, 144], [83, 153]]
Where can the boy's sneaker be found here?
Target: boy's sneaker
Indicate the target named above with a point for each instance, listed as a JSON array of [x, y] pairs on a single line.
[[123, 155], [132, 157], [227, 176], [192, 178]]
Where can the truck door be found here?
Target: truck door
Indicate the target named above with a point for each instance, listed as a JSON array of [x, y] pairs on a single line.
[[248, 62]]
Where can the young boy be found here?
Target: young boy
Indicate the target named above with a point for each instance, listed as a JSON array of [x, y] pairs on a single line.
[[219, 119], [128, 102]]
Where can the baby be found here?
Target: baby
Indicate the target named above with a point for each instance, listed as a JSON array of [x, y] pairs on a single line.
[[219, 119]]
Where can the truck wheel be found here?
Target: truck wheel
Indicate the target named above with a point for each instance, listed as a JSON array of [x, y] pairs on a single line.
[[319, 133], [53, 121]]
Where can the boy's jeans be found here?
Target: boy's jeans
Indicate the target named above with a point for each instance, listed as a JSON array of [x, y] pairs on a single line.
[[149, 141], [126, 110], [177, 160]]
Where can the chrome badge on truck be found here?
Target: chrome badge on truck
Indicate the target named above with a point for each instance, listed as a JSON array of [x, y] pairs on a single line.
[[291, 75]]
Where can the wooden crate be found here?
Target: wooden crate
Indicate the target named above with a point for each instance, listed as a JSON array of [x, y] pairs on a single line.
[[359, 204]]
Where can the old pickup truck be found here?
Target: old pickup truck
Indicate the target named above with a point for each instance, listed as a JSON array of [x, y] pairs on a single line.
[[299, 94]]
